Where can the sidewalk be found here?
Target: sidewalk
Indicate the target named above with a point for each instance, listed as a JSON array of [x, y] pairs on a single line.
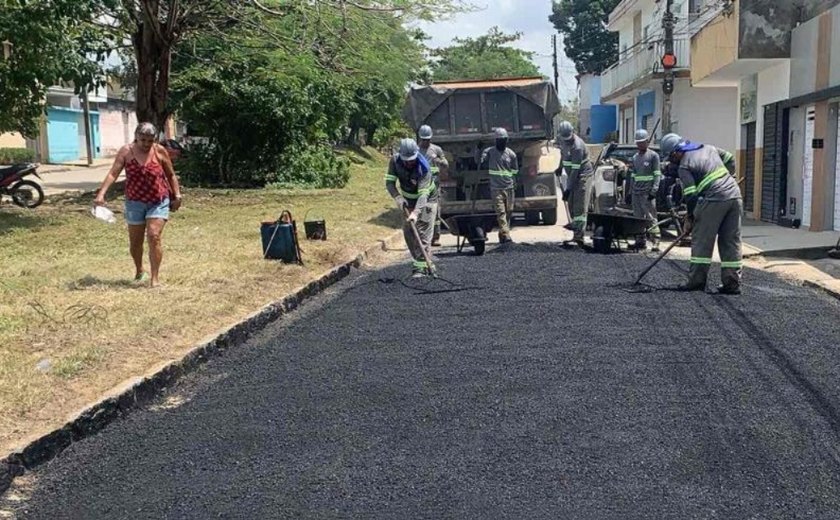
[[771, 240], [62, 178]]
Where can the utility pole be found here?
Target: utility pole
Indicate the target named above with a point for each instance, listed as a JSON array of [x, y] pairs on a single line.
[[86, 114], [669, 61], [556, 70]]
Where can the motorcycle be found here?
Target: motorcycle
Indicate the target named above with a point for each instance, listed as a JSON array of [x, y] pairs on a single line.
[[24, 192]]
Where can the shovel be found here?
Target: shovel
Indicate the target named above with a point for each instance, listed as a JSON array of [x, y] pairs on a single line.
[[426, 256], [637, 285]]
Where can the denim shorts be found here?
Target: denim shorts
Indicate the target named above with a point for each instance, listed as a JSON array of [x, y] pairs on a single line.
[[136, 212]]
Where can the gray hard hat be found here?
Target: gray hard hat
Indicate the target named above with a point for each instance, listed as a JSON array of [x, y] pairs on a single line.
[[669, 143], [567, 131], [642, 136], [425, 132], [408, 149], [500, 133]]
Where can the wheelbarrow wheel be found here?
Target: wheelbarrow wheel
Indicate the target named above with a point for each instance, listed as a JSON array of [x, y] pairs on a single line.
[[601, 240], [478, 239]]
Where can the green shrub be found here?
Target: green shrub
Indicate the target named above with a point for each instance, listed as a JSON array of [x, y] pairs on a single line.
[[16, 155]]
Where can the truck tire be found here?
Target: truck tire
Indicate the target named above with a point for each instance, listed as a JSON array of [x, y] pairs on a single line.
[[532, 218], [550, 217]]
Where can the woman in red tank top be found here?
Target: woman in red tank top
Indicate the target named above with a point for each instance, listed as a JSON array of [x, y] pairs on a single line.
[[151, 191]]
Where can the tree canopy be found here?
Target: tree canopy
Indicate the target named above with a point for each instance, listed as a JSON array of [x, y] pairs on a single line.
[[486, 57], [583, 24]]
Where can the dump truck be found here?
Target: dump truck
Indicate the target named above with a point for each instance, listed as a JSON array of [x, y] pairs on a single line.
[[463, 116]]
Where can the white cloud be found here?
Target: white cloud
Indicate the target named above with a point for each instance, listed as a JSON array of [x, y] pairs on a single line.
[[530, 17]]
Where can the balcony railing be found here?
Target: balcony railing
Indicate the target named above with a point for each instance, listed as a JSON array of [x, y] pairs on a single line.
[[642, 62]]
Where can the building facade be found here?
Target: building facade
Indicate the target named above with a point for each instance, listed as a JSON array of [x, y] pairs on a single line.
[[634, 82], [598, 121]]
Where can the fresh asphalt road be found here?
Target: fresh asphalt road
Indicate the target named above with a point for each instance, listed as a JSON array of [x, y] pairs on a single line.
[[542, 391]]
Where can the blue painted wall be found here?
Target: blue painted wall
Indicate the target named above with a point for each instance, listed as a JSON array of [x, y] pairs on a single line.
[[645, 106], [604, 121]]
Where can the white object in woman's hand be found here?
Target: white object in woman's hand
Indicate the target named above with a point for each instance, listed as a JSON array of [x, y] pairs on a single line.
[[104, 214]]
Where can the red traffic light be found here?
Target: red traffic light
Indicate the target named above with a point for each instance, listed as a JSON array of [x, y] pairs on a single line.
[[669, 61]]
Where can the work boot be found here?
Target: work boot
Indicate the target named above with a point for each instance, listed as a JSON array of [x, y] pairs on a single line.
[[690, 287], [436, 241], [654, 246], [418, 273], [505, 239], [730, 290]]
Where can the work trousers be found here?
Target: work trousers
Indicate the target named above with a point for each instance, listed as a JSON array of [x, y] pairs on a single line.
[[719, 220], [645, 208], [503, 204], [579, 205], [425, 227]]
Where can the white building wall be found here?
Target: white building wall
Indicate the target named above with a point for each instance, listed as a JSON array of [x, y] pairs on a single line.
[[773, 86], [116, 128], [706, 115]]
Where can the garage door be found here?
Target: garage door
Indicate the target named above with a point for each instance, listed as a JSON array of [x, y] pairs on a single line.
[[63, 135]]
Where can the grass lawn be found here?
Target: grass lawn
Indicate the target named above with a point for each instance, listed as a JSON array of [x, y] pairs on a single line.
[[73, 325]]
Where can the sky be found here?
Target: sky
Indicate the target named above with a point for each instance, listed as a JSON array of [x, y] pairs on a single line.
[[530, 17]]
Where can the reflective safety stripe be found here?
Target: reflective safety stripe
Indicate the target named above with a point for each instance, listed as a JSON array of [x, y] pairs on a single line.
[[421, 264], [435, 169], [502, 173], [732, 265], [567, 163], [701, 261], [657, 173], [390, 178], [727, 157], [691, 190], [581, 218], [427, 191], [646, 178], [710, 178]]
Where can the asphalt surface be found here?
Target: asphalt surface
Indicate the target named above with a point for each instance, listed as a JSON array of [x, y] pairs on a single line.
[[542, 391]]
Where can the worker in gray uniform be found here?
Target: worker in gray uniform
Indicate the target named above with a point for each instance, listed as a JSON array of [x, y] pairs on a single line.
[[416, 198], [714, 207], [579, 171], [437, 162], [646, 177], [504, 166], [728, 160]]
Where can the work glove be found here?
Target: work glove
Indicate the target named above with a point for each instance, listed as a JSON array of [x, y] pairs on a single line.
[[402, 204], [566, 195], [413, 216]]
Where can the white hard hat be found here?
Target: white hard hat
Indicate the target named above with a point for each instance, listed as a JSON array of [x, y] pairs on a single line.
[[425, 132], [500, 133], [567, 131], [642, 136], [408, 149], [669, 144]]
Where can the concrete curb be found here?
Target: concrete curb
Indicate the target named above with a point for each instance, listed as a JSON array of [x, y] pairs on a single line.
[[823, 287], [141, 390]]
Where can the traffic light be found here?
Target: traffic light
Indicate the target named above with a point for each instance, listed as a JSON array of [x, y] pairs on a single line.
[[669, 61], [668, 85]]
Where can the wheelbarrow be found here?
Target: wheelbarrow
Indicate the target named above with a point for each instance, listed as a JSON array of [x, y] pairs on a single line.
[[610, 229]]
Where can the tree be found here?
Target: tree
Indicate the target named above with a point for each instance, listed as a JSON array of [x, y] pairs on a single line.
[[46, 49], [155, 29], [583, 24], [485, 57]]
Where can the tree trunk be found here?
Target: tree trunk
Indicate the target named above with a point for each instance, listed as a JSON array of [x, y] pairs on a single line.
[[153, 50]]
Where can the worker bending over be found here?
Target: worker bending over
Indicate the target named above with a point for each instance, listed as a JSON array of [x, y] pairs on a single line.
[[714, 212], [417, 200]]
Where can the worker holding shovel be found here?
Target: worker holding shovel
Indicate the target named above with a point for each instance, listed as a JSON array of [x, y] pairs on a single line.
[[417, 198]]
